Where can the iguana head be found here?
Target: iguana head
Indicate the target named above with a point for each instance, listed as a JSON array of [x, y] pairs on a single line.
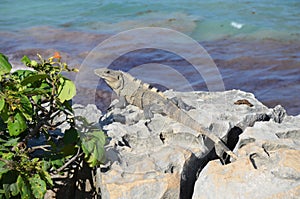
[[113, 78]]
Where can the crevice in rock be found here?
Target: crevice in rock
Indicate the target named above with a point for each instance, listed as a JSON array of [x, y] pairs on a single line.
[[250, 120], [295, 134], [105, 169], [265, 150], [170, 169], [268, 146], [162, 138], [190, 172], [232, 140], [246, 141], [278, 114], [251, 157], [124, 142], [233, 137]]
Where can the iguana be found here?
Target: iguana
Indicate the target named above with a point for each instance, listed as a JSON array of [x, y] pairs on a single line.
[[151, 100]]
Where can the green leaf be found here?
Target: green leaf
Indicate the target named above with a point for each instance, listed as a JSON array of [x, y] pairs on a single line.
[[14, 189], [5, 66], [69, 149], [70, 139], [33, 78], [66, 89], [7, 191], [67, 105], [46, 177], [38, 186], [46, 165], [11, 142], [37, 99], [26, 60], [4, 113], [22, 74], [70, 136], [35, 92], [2, 103], [16, 125], [2, 192], [26, 107], [3, 168], [23, 187], [9, 177], [57, 163], [8, 156], [33, 63], [92, 144]]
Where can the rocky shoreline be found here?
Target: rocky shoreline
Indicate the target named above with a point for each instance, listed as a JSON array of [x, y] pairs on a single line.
[[164, 159]]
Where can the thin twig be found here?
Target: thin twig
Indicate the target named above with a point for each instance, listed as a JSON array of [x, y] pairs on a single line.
[[52, 117], [69, 162], [42, 147], [55, 125]]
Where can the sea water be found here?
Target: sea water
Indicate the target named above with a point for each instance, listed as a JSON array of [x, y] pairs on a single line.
[[203, 20], [255, 44]]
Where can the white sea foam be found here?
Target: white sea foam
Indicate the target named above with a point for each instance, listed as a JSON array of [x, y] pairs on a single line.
[[236, 25]]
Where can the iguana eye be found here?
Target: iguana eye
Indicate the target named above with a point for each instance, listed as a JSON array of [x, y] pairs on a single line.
[[107, 71]]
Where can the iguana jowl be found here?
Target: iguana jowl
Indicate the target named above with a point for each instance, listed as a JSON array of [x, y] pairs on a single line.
[[151, 100]]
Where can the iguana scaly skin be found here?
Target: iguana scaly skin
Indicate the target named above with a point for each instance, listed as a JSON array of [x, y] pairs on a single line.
[[151, 100]]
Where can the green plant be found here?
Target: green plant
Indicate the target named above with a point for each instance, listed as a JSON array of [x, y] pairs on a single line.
[[20, 175], [35, 103]]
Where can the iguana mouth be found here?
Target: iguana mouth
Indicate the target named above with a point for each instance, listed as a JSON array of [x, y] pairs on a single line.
[[106, 74]]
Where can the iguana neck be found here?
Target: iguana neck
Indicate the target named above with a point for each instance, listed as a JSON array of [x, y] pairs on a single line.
[[135, 91]]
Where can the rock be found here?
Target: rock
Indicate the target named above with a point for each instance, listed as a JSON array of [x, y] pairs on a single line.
[[268, 164], [162, 158], [89, 112]]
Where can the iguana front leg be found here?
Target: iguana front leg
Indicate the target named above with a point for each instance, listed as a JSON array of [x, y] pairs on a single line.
[[150, 109], [181, 104], [122, 103]]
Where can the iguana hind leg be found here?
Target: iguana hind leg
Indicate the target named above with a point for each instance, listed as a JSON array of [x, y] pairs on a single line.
[[221, 148]]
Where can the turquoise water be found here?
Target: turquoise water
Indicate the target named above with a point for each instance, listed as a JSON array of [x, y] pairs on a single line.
[[203, 20]]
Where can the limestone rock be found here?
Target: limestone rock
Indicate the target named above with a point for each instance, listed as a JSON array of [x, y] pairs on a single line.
[[268, 164], [162, 158], [89, 112]]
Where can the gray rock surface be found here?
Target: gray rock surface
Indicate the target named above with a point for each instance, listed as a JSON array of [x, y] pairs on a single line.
[[162, 158], [268, 164], [89, 112]]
